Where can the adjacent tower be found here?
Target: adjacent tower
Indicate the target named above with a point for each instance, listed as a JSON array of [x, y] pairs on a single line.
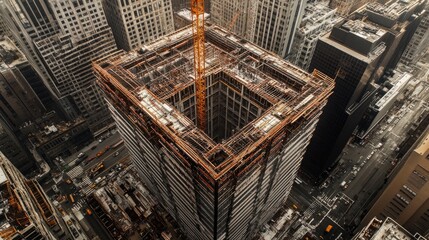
[[135, 23], [356, 53], [406, 198], [226, 182], [62, 38], [269, 24]]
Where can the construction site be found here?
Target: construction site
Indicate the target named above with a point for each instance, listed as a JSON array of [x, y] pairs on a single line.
[[25, 211], [215, 125]]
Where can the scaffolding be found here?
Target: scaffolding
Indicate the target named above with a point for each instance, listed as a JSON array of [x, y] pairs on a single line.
[[154, 86], [197, 9]]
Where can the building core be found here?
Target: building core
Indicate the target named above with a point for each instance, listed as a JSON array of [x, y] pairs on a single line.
[[225, 182]]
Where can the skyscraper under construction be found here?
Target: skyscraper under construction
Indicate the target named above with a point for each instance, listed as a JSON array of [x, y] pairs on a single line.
[[223, 182]]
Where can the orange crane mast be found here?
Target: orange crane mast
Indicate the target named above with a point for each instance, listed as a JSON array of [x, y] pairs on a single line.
[[197, 9]]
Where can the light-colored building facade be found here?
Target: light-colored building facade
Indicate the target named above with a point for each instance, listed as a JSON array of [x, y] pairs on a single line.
[[318, 20], [406, 197], [135, 23], [384, 101], [62, 38], [269, 24], [84, 37], [419, 42]]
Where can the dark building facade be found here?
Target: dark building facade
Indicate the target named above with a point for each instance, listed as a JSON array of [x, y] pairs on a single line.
[[356, 53], [352, 69]]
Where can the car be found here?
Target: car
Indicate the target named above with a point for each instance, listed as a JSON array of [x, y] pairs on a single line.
[[116, 154], [88, 211], [99, 153]]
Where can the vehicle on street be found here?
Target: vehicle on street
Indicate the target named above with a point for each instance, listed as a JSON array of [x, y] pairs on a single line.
[[96, 170], [99, 153], [71, 198], [116, 154], [344, 185], [88, 211], [82, 155]]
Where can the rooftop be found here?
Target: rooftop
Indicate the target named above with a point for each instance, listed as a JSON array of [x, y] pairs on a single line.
[[423, 147], [387, 230], [186, 14], [317, 14], [48, 132], [9, 54], [399, 81], [364, 30], [159, 79], [393, 10]]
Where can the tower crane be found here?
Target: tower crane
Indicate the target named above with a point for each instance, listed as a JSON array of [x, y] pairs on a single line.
[[197, 9]]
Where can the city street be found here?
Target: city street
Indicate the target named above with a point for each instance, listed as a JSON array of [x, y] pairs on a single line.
[[76, 183], [342, 200]]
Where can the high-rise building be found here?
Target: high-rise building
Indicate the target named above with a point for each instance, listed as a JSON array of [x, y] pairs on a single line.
[[135, 23], [269, 24], [14, 149], [419, 42], [84, 37], [64, 38], [28, 22], [25, 213], [318, 20], [339, 55], [400, 19], [4, 30], [387, 229], [406, 197], [356, 53], [19, 103], [227, 181]]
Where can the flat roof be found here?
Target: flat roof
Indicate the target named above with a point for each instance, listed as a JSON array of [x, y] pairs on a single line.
[[401, 81], [392, 9], [362, 57], [364, 30], [10, 55]]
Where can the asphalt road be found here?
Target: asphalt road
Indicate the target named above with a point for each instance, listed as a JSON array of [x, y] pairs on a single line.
[[110, 160], [363, 167]]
